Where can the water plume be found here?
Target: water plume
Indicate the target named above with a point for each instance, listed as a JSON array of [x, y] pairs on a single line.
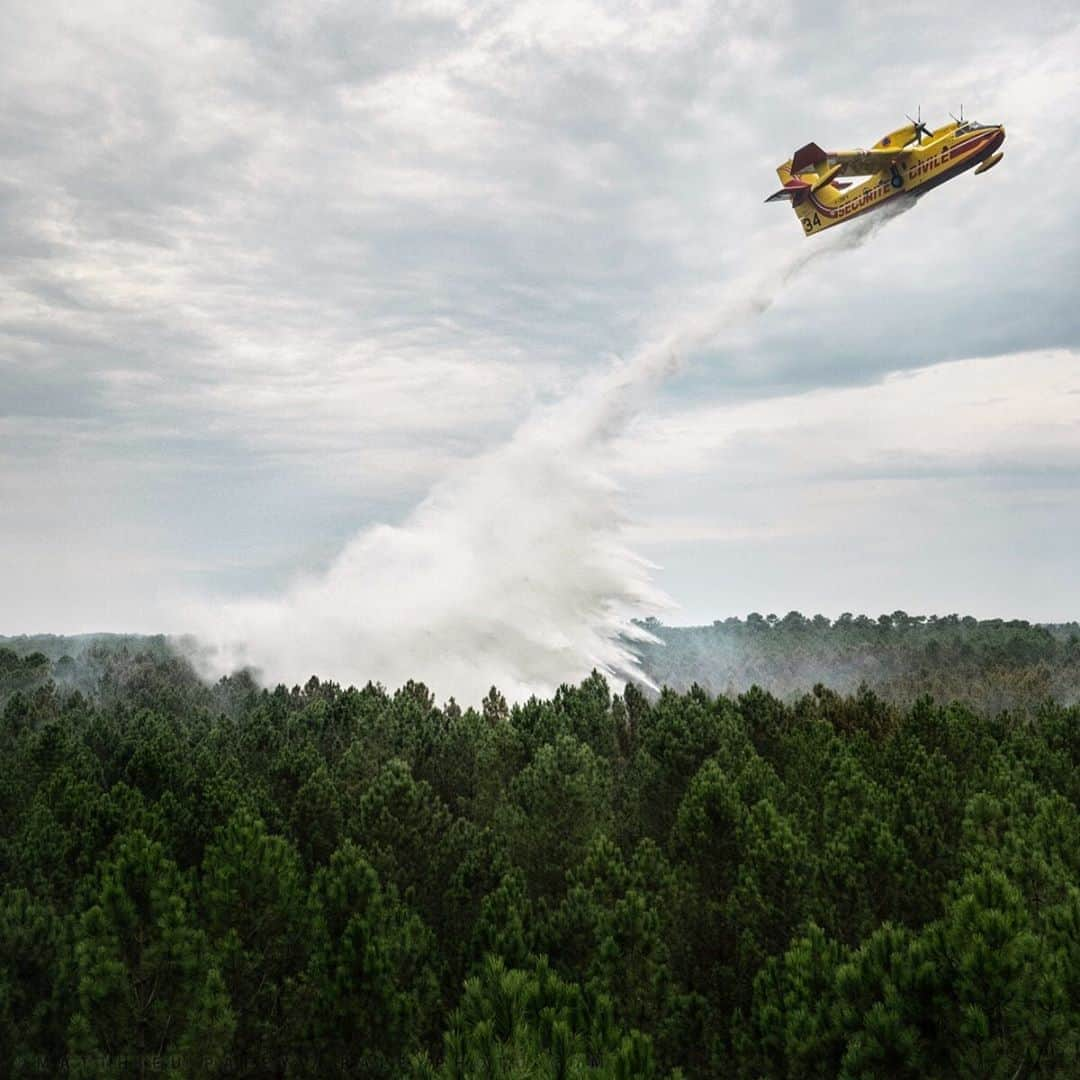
[[512, 571]]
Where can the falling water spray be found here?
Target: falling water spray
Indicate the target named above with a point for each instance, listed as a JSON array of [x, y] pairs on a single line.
[[512, 571]]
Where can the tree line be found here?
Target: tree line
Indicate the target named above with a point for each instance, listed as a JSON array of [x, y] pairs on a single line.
[[992, 664], [229, 880]]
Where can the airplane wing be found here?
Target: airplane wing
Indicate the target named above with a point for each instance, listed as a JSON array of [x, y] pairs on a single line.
[[867, 162]]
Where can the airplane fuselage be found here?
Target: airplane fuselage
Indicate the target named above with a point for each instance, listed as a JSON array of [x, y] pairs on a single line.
[[909, 170]]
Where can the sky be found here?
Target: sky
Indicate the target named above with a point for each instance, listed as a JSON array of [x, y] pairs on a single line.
[[270, 274]]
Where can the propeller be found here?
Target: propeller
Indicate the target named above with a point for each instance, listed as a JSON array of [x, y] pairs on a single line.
[[959, 120], [920, 128]]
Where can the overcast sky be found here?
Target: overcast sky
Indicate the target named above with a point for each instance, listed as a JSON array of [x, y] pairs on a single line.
[[269, 271]]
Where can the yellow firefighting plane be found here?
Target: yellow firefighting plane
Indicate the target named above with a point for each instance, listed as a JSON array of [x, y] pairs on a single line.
[[913, 159]]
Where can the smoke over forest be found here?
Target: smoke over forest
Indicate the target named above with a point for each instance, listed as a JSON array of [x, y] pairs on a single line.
[[991, 664]]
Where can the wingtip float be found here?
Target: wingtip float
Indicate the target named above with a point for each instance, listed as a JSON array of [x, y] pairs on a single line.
[[911, 160]]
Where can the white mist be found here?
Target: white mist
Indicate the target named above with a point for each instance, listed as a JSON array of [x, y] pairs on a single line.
[[512, 572]]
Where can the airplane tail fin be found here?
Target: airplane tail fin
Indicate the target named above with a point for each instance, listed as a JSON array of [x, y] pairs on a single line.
[[795, 188], [807, 156]]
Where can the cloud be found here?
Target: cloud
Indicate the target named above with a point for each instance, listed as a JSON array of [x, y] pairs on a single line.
[[1016, 406], [952, 487], [270, 271]]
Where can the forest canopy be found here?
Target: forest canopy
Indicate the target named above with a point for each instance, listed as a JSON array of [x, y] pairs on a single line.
[[992, 664], [232, 880]]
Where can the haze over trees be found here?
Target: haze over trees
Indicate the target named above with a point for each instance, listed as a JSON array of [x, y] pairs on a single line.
[[992, 664], [234, 881]]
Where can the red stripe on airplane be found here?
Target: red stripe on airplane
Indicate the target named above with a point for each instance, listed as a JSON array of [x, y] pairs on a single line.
[[959, 150]]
